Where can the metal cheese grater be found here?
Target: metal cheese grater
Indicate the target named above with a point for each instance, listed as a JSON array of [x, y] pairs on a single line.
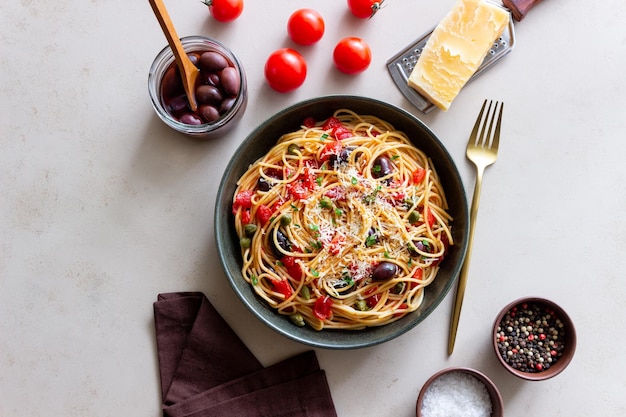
[[401, 65]]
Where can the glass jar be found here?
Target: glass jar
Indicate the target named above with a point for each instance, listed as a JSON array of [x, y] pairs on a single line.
[[165, 59]]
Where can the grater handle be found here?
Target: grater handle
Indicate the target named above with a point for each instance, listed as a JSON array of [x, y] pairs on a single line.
[[519, 8]]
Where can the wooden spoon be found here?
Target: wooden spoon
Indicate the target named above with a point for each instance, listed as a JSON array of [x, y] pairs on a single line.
[[189, 72]]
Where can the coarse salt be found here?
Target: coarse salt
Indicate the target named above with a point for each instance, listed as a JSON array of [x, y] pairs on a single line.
[[456, 394]]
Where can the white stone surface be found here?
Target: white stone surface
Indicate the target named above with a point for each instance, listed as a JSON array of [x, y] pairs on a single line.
[[102, 206]]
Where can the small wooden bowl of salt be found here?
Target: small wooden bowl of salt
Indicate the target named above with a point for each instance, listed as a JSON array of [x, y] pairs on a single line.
[[459, 392]]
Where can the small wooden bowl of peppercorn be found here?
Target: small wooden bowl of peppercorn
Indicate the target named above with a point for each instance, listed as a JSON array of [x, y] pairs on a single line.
[[534, 338]]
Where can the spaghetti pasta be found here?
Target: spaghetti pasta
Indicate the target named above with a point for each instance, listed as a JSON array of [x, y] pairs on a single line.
[[342, 224]]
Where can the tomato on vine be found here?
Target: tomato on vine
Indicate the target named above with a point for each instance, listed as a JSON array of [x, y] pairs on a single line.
[[225, 10], [365, 9], [305, 26], [352, 55]]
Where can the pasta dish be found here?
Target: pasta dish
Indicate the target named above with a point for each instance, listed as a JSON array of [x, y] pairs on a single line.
[[342, 224]]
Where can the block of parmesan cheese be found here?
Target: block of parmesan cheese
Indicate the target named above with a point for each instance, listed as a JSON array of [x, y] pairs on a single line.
[[456, 48]]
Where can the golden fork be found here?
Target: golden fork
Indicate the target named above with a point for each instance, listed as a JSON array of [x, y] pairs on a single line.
[[482, 150]]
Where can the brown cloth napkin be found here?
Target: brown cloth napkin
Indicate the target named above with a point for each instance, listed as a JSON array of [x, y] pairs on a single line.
[[207, 371]]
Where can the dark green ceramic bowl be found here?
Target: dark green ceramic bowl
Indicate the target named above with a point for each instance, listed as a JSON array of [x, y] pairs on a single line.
[[259, 143]]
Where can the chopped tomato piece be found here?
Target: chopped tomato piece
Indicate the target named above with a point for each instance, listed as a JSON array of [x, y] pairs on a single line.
[[245, 216], [336, 193], [336, 244], [309, 122], [283, 287], [418, 274], [297, 191], [278, 204], [243, 199], [331, 148], [337, 129], [342, 132], [446, 245], [322, 307], [308, 178], [294, 269], [401, 307], [430, 217], [263, 213], [373, 300], [331, 123], [371, 290], [418, 175], [398, 196]]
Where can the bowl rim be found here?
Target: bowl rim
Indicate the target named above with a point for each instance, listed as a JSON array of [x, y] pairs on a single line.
[[354, 340], [497, 403], [570, 336]]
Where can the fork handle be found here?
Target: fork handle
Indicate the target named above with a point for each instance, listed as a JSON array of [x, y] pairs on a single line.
[[460, 290], [519, 8]]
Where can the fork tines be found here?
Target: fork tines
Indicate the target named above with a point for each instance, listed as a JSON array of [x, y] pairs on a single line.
[[483, 132]]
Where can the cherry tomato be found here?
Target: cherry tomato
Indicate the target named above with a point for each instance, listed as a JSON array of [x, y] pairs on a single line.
[[352, 55], [285, 70], [225, 10], [305, 26], [365, 9]]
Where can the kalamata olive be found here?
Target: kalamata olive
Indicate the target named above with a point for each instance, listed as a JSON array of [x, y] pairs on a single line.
[[210, 78], [209, 113], [283, 242], [212, 61], [172, 84], [194, 58], [274, 173], [177, 103], [229, 79], [191, 119], [263, 185], [382, 167], [421, 246], [209, 95], [227, 104], [342, 158], [384, 271], [343, 285]]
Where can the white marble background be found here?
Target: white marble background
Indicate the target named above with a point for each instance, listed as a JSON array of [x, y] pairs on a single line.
[[102, 207]]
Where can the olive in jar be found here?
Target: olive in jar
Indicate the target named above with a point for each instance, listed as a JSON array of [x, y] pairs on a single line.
[[216, 89]]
